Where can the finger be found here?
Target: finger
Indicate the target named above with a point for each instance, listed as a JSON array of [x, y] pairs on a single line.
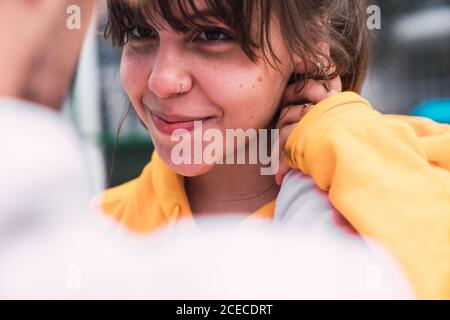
[[284, 135], [282, 171], [336, 84], [290, 116], [313, 92]]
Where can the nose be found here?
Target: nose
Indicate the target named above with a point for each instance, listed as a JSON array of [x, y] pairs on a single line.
[[169, 76]]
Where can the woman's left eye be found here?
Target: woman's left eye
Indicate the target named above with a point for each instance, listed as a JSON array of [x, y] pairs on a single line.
[[141, 33], [212, 35]]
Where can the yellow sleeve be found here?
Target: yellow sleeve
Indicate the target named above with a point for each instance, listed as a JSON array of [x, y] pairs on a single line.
[[388, 177]]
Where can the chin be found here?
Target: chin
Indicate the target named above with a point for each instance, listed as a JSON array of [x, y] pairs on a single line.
[[186, 170], [191, 170]]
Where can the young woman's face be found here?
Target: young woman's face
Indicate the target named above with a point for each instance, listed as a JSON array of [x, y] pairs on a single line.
[[221, 86]]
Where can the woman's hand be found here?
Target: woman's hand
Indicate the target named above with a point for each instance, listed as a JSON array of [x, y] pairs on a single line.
[[314, 92]]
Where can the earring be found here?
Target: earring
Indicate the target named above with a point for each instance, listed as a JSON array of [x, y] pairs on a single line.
[[319, 65]]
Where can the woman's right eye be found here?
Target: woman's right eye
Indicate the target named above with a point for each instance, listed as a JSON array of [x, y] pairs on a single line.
[[141, 33]]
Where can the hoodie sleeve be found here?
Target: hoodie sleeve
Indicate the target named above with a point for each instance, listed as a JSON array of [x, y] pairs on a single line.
[[389, 176]]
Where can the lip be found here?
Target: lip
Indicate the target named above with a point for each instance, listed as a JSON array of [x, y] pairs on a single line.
[[168, 124]]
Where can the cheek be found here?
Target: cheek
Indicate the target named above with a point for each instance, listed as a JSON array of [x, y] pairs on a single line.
[[262, 98], [248, 94], [134, 73]]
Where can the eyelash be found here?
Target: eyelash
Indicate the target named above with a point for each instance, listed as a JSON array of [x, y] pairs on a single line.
[[149, 31]]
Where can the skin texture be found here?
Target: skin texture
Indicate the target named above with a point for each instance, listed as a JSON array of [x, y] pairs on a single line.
[[220, 83], [38, 53]]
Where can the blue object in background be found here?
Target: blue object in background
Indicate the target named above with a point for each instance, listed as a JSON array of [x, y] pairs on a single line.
[[437, 110]]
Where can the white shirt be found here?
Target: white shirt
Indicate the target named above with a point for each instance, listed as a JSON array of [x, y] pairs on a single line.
[[43, 174], [50, 249]]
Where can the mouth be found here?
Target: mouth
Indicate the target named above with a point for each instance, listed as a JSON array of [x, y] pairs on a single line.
[[168, 124]]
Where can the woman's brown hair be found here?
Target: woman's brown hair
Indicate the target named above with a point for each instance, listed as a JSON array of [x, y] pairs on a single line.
[[304, 24]]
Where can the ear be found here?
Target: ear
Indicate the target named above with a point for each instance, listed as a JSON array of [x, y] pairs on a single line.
[[325, 58], [299, 65], [310, 64], [298, 69]]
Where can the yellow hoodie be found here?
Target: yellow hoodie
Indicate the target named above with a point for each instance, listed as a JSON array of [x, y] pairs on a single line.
[[388, 175]]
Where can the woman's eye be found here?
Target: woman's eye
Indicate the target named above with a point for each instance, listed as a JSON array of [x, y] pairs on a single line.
[[211, 35], [208, 36], [141, 33]]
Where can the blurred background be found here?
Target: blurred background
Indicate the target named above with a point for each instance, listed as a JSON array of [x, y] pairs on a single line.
[[409, 74]]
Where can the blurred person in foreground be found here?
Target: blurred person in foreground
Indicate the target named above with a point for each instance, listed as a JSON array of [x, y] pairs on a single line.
[[42, 166], [50, 248]]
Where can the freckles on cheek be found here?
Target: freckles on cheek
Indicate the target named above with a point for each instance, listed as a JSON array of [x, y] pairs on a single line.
[[134, 82], [129, 82], [265, 92], [259, 79], [133, 74]]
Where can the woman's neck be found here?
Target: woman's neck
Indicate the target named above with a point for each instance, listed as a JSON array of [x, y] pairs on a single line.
[[235, 189], [230, 189]]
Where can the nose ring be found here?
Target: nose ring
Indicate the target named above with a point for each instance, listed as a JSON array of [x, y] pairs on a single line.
[[181, 89]]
